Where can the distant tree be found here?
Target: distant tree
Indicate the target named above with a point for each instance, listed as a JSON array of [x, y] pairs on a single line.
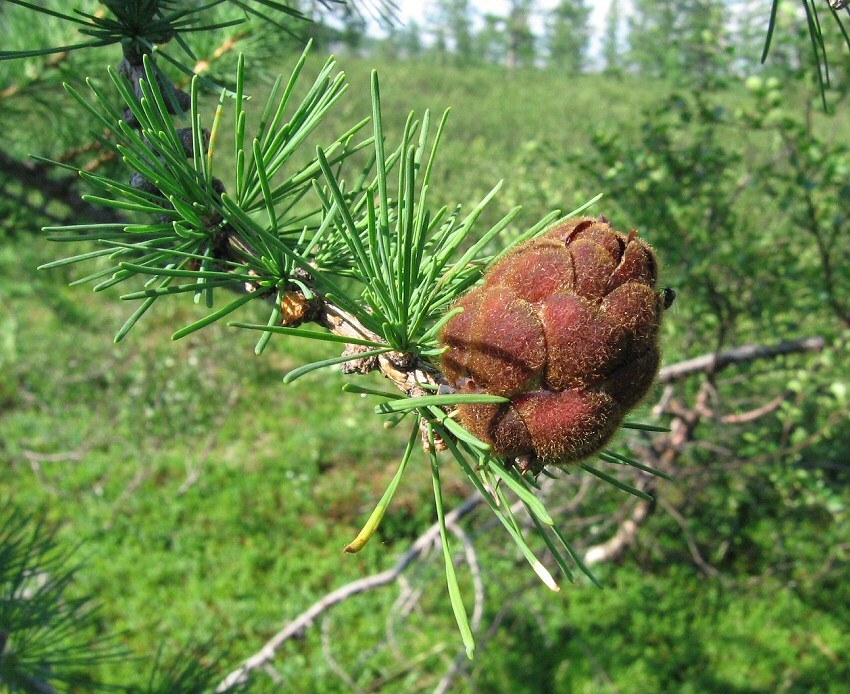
[[704, 47], [491, 43], [508, 38], [671, 38], [567, 34], [353, 31], [651, 29], [521, 49], [315, 28], [611, 48], [451, 22], [389, 48], [402, 42], [410, 40]]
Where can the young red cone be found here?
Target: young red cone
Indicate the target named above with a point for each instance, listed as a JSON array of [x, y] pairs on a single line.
[[566, 326]]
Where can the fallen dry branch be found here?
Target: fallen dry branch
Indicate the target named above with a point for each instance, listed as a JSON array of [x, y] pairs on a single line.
[[699, 560], [306, 619], [754, 414], [613, 548]]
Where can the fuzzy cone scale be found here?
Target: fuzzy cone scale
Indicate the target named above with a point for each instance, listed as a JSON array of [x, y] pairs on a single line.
[[566, 326]]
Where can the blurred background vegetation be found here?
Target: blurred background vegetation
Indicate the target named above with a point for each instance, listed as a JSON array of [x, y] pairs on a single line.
[[210, 503]]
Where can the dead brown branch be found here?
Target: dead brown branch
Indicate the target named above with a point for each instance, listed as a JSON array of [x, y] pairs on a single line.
[[707, 568], [43, 180], [754, 414]]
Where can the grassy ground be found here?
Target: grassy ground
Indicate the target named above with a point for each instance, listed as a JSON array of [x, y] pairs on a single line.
[[212, 502]]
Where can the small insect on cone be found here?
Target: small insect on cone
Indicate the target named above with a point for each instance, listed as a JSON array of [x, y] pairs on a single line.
[[565, 325]]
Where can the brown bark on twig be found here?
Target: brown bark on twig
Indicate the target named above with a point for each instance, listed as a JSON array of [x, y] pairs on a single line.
[[404, 370], [201, 66], [670, 447], [754, 414]]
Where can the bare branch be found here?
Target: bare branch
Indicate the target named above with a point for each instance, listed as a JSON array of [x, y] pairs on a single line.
[[60, 457], [42, 178], [406, 373], [683, 426], [757, 413], [195, 467], [297, 626], [689, 539], [273, 674], [614, 548], [719, 360], [332, 661]]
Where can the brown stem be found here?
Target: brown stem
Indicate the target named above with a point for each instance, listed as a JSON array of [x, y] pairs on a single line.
[[19, 88], [757, 413], [613, 548], [696, 555], [203, 65]]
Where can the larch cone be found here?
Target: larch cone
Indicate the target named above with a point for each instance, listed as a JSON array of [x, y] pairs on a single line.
[[565, 325]]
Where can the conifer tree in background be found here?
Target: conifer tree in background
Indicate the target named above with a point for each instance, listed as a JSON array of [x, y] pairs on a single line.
[[705, 49], [455, 18], [491, 43], [353, 32], [611, 41], [567, 35], [404, 41], [47, 637], [679, 40], [521, 40], [652, 29]]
